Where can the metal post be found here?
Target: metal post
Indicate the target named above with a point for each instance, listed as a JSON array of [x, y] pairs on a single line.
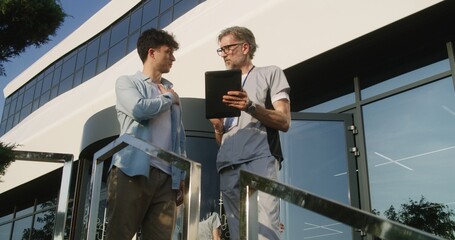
[[192, 181], [63, 199]]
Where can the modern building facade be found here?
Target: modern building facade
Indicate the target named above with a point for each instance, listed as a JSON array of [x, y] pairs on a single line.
[[373, 102]]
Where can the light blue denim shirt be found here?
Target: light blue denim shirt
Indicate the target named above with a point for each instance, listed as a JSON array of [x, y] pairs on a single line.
[[135, 107]]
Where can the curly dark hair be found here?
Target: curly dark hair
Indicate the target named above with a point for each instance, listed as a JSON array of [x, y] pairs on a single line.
[[154, 38]]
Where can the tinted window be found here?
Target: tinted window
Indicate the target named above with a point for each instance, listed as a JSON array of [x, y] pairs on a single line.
[[316, 161], [35, 104], [28, 96], [47, 82], [92, 50], [151, 24], [102, 60], [89, 70], [24, 211], [68, 66], [132, 41], [135, 20], [44, 98], [43, 222], [66, 84], [406, 78], [165, 19], [39, 84], [184, 6], [80, 58], [21, 227], [12, 108], [54, 92], [119, 31], [165, 5], [5, 230], [410, 146], [57, 74], [104, 42], [77, 78], [116, 52], [6, 218], [5, 112], [150, 11], [25, 111], [16, 118]]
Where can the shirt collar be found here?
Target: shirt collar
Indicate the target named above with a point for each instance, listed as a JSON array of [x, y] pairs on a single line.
[[143, 77]]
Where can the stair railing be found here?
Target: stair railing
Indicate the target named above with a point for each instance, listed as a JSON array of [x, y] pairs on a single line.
[[192, 182], [365, 222]]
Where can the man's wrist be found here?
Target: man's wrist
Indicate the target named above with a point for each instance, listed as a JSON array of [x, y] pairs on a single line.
[[249, 103], [250, 107]]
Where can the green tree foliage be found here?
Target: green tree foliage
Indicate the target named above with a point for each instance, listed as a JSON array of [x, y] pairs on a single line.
[[430, 217], [24, 23], [6, 156]]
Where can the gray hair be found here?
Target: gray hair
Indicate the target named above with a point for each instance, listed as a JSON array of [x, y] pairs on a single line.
[[242, 34]]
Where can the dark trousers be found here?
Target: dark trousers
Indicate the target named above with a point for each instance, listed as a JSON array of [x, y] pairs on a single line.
[[141, 203]]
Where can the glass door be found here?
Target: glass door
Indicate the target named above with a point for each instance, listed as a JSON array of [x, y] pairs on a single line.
[[319, 157]]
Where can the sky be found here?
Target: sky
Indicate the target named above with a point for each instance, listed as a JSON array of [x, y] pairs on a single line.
[[79, 11]]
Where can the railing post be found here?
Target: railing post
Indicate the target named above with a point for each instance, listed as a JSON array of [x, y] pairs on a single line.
[[95, 186], [252, 224], [192, 182], [63, 198], [192, 202], [249, 228]]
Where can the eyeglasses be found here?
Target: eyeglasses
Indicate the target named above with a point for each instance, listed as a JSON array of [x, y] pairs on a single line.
[[228, 48]]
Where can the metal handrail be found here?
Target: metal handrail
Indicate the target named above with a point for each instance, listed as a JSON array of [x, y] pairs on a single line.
[[63, 198], [366, 222], [192, 181]]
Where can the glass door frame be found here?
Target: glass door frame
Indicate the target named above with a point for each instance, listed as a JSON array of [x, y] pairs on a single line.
[[351, 150]]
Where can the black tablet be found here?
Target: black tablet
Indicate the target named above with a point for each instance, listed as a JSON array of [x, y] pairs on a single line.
[[217, 84]]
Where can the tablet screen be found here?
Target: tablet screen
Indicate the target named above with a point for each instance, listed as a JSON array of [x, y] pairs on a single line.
[[217, 84]]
